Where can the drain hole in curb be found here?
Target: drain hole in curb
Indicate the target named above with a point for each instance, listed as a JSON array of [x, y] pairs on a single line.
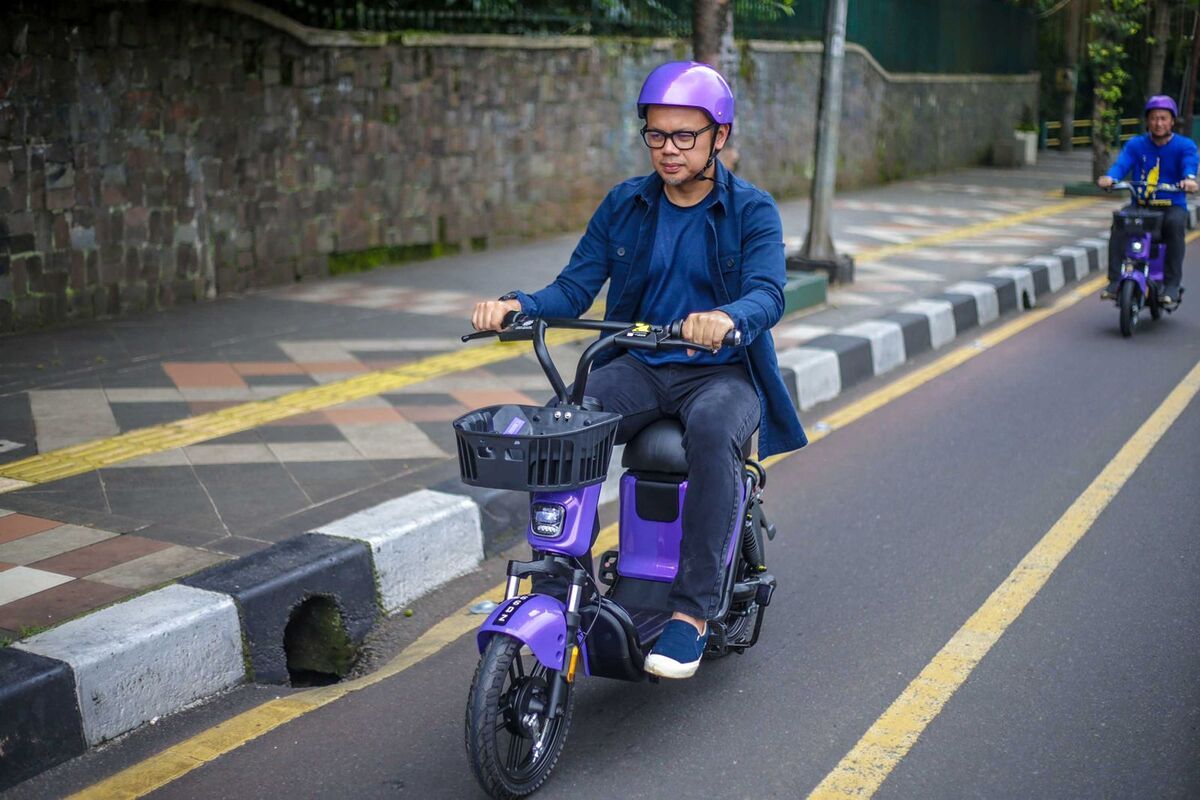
[[319, 651]]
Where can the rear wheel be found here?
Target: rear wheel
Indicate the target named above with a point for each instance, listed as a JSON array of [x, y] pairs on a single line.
[[1129, 307], [511, 742]]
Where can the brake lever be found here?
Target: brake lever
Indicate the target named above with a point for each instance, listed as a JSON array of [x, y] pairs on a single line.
[[516, 328]]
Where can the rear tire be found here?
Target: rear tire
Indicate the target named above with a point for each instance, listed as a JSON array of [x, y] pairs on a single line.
[[1129, 307], [507, 688]]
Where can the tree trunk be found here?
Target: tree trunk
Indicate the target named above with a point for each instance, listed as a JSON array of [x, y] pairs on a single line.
[[708, 21], [712, 43], [1071, 74], [1158, 54], [1189, 81], [1101, 147]]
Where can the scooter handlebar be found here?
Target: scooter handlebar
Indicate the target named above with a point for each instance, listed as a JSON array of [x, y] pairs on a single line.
[[732, 339], [1162, 187]]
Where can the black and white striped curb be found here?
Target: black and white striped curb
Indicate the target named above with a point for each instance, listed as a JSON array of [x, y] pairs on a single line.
[[102, 675], [824, 367], [105, 674]]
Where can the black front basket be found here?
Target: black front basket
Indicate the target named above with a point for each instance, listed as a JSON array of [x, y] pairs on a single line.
[[1138, 221], [534, 449]]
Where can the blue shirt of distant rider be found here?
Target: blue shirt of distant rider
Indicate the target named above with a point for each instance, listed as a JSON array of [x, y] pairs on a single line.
[[1156, 157], [1172, 162]]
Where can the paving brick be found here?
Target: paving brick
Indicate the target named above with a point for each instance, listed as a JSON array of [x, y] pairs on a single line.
[[102, 555], [17, 526], [40, 546], [58, 604]]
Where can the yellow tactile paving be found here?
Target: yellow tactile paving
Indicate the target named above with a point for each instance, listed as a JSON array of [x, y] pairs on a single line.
[[967, 231], [88, 456]]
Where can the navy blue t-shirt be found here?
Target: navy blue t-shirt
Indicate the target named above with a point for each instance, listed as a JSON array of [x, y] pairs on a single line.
[[679, 282]]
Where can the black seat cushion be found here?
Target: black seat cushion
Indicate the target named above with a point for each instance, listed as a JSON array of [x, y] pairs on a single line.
[[658, 447]]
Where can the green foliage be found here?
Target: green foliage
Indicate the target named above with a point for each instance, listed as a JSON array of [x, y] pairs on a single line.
[[1114, 23], [373, 257]]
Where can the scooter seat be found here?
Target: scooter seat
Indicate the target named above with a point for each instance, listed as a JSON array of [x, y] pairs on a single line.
[[659, 448]]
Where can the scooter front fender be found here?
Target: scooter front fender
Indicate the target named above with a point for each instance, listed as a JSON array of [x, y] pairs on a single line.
[[535, 619]]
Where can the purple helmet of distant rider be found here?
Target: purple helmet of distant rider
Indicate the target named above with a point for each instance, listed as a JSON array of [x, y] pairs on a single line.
[[688, 83], [1163, 102]]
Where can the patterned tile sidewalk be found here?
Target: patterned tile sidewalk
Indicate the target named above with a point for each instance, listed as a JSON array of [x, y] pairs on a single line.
[[51, 571]]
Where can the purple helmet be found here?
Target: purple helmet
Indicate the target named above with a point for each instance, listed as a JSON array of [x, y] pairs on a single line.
[[1163, 102], [688, 83]]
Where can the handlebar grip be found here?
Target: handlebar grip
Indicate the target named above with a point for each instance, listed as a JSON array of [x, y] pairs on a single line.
[[509, 320], [732, 339]]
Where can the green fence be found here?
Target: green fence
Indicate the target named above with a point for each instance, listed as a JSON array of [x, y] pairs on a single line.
[[957, 36]]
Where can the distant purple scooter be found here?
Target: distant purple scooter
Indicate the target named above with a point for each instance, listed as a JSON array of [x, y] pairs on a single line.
[[1141, 278], [521, 700]]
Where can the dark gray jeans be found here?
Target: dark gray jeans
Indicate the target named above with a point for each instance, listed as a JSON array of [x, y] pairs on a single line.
[[719, 410]]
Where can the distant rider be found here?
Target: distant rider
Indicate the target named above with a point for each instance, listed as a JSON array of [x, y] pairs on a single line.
[[688, 241], [1158, 156]]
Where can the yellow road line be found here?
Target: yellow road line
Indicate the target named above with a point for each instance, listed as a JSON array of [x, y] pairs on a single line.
[[867, 765], [178, 760], [88, 456], [967, 231]]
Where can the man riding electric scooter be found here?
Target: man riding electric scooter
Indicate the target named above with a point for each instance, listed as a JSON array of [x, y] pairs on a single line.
[[689, 241], [1158, 156]]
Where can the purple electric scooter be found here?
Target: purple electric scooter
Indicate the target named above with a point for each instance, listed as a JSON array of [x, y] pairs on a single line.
[[1141, 278], [534, 645]]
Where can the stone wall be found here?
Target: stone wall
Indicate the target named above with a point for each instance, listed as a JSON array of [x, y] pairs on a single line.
[[154, 153]]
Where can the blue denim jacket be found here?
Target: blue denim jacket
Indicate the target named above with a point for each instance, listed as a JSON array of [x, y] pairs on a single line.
[[746, 263]]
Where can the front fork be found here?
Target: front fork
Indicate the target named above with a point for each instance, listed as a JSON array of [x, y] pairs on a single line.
[[557, 567], [1138, 272]]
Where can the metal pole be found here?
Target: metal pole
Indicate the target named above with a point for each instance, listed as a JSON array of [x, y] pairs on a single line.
[[818, 243]]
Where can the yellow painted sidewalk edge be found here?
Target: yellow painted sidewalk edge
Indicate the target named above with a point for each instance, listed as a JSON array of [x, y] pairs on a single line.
[[968, 231], [88, 456], [180, 759], [863, 770]]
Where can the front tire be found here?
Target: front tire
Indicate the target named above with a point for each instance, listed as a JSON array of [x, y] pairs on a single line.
[[511, 743], [1129, 308]]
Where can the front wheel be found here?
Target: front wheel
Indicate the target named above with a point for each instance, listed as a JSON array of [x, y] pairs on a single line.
[[1129, 307], [511, 741]]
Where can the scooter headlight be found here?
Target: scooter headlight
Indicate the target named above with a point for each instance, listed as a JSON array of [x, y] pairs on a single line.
[[1136, 247], [548, 519]]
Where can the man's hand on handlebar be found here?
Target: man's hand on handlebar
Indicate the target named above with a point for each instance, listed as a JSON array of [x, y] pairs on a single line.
[[707, 329], [489, 315], [1187, 185]]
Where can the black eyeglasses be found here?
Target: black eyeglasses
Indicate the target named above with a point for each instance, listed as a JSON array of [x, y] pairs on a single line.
[[684, 140]]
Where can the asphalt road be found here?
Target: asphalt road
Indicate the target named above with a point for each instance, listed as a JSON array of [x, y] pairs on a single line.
[[893, 531]]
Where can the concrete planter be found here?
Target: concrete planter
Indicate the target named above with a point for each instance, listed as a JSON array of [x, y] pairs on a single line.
[[1027, 144], [1017, 149]]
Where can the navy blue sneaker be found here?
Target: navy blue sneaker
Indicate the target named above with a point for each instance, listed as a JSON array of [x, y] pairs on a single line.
[[677, 652]]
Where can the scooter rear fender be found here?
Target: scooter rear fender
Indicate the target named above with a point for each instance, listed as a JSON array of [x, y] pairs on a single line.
[[537, 620]]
